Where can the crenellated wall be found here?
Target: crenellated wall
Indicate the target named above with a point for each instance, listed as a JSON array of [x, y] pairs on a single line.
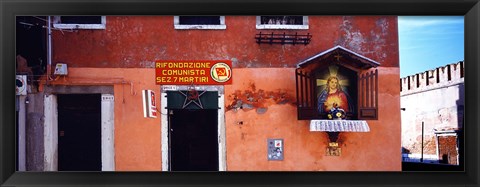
[[434, 98], [431, 79]]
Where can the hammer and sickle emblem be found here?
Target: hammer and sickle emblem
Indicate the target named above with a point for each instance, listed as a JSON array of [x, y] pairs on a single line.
[[192, 94], [221, 71]]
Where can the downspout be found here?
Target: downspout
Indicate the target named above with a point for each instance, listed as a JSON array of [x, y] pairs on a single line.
[[421, 159], [49, 50]]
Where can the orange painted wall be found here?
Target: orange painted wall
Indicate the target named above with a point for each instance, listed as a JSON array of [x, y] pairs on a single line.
[[377, 150], [137, 139]]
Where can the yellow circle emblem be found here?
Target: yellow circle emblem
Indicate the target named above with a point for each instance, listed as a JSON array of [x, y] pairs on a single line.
[[221, 72]]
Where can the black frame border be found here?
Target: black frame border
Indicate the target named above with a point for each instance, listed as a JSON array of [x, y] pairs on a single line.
[[11, 8]]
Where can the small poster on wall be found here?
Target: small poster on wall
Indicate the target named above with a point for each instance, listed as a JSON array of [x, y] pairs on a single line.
[[275, 149]]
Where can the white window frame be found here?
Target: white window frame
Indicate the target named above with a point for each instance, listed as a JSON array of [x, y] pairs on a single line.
[[57, 24], [176, 22], [259, 25]]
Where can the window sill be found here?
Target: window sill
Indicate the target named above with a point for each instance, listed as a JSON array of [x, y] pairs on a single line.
[[79, 26], [201, 27], [299, 27]]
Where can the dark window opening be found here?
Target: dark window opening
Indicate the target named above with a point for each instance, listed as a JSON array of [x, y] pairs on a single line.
[[31, 47], [281, 20], [199, 20]]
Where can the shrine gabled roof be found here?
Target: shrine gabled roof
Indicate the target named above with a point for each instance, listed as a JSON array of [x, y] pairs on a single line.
[[365, 62]]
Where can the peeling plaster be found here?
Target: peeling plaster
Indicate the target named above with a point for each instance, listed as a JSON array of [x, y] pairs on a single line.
[[352, 38], [356, 40], [147, 64], [259, 99], [378, 37], [234, 62], [383, 24]]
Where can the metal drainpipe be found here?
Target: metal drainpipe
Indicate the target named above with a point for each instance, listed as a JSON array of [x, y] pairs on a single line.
[[421, 159], [49, 50]]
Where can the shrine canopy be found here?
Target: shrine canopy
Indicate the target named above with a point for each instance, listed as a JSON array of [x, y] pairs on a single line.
[[341, 56]]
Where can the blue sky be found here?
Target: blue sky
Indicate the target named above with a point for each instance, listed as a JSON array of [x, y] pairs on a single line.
[[428, 42]]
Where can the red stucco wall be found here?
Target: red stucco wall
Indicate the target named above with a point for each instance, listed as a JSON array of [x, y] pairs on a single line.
[[136, 41]]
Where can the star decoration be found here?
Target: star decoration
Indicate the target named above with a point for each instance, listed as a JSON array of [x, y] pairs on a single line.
[[192, 96]]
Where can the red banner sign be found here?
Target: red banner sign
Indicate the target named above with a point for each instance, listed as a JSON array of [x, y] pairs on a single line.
[[198, 72]]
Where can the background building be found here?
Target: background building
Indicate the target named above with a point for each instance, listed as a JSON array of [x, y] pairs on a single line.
[[436, 99]]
